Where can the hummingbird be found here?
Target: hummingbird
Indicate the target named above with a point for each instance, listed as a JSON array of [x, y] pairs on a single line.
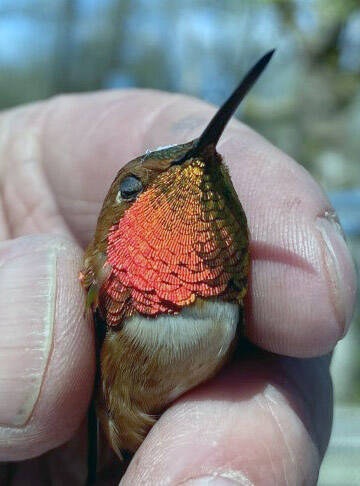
[[165, 276]]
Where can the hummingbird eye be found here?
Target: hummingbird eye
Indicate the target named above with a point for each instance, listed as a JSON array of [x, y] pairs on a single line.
[[130, 187]]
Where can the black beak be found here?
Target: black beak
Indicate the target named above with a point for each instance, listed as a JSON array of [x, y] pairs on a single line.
[[215, 128]]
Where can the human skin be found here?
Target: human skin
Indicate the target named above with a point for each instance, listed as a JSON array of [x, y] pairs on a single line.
[[266, 418]]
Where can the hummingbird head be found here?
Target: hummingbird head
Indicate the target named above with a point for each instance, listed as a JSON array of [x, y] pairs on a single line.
[[172, 228]]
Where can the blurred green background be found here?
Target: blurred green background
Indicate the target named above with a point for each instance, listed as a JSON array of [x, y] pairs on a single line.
[[308, 104]]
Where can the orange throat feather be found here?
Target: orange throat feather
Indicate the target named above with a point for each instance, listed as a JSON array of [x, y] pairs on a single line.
[[181, 239]]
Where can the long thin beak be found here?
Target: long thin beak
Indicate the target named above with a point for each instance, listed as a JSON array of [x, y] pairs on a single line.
[[215, 128]]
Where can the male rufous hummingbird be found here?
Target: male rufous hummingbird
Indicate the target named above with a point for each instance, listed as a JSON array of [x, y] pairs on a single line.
[[166, 275]]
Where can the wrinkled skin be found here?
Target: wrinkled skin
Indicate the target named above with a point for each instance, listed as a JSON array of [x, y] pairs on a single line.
[[265, 419]]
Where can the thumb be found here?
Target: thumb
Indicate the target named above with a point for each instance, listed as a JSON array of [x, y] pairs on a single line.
[[46, 346]]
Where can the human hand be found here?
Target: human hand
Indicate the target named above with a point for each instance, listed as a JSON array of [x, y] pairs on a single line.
[[264, 420]]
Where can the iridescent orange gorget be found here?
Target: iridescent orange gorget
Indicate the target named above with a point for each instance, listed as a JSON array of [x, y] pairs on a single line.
[[180, 240]]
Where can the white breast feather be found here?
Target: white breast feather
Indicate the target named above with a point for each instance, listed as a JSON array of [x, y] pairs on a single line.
[[183, 332]]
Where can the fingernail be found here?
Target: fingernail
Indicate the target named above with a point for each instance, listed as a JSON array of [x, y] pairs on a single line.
[[231, 479], [340, 267], [27, 306]]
